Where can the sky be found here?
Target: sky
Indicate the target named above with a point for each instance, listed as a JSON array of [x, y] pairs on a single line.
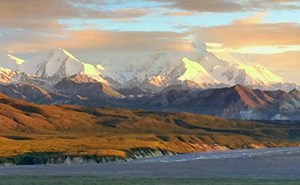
[[267, 31]]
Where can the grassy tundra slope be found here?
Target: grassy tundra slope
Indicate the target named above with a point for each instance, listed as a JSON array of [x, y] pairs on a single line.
[[31, 133]]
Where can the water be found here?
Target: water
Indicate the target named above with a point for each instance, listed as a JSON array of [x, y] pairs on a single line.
[[261, 163], [248, 153]]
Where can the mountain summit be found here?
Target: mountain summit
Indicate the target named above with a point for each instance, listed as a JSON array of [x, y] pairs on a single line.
[[192, 71], [232, 69], [59, 64]]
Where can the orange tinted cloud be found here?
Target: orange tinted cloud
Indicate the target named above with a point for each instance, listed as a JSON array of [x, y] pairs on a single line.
[[106, 40], [36, 9], [45, 14], [255, 19], [287, 64], [37, 15], [280, 61], [182, 13], [205, 6], [246, 35], [231, 6]]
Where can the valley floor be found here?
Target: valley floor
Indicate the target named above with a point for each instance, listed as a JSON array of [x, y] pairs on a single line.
[[274, 166]]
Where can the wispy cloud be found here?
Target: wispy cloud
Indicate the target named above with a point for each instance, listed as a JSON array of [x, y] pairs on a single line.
[[46, 15], [205, 6], [104, 41], [246, 35], [255, 19], [181, 13], [231, 6]]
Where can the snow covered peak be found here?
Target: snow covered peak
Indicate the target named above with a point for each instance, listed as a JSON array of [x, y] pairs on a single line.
[[192, 71], [10, 62], [201, 67], [62, 51], [141, 67], [260, 73], [59, 64], [56, 63], [233, 68]]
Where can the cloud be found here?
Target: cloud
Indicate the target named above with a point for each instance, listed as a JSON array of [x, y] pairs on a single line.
[[230, 6], [32, 9], [33, 14], [255, 19], [121, 15], [182, 13], [285, 64], [46, 14], [281, 61], [272, 4], [246, 35], [204, 6], [103, 41]]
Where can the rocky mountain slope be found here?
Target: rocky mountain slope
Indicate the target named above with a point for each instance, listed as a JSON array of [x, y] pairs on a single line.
[[236, 102]]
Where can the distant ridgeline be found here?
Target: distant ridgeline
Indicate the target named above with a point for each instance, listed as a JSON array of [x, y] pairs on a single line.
[[205, 83]]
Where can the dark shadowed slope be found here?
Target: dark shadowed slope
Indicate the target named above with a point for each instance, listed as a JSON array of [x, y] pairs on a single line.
[[237, 102]]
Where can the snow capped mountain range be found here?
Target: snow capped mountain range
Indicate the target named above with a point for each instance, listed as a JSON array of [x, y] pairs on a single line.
[[203, 69], [154, 72], [203, 82], [228, 69]]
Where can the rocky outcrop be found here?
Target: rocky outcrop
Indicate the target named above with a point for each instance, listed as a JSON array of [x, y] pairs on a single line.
[[60, 158]]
